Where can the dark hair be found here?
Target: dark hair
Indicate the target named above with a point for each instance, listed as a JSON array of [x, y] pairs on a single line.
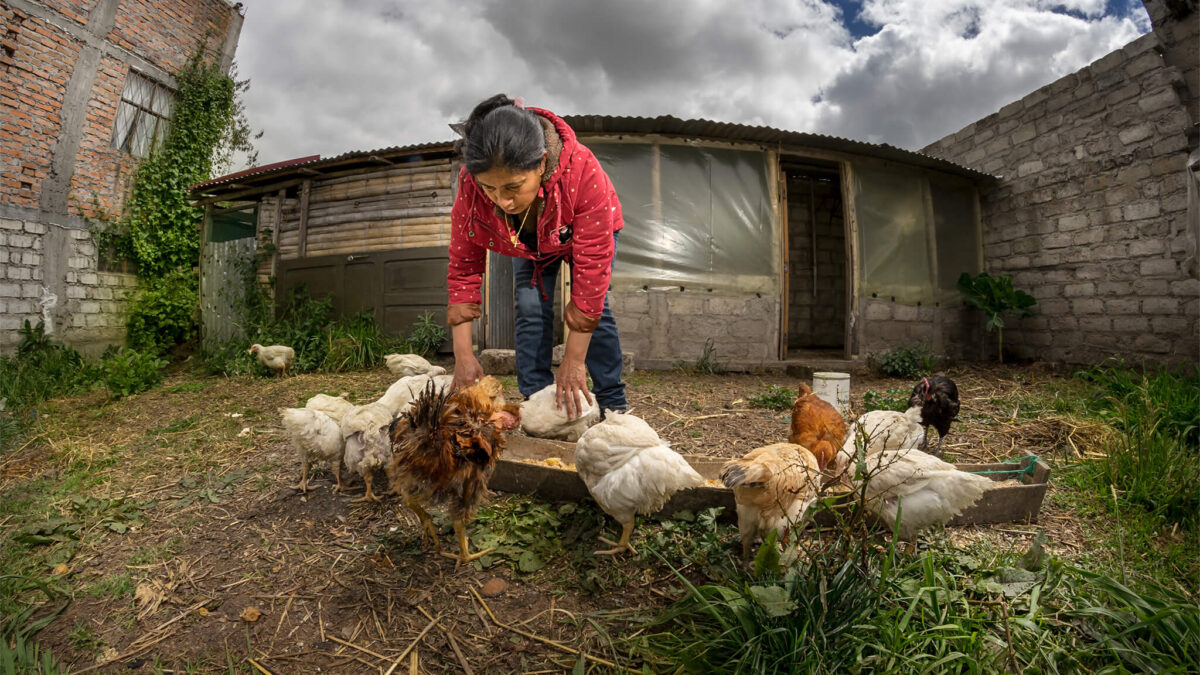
[[499, 134]]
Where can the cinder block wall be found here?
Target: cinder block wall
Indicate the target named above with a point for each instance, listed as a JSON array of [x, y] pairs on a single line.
[[1090, 215], [816, 319], [664, 327], [64, 65], [955, 331]]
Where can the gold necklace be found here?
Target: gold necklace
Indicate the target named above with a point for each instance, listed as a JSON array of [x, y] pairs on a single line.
[[517, 237]]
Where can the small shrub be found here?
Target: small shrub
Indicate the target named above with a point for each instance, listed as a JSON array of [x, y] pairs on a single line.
[[164, 313], [774, 398], [127, 372], [427, 335], [907, 361], [892, 399], [42, 369], [707, 364], [994, 296]]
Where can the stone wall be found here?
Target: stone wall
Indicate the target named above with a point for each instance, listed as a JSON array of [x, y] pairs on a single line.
[[64, 64], [664, 327], [1090, 213], [954, 332]]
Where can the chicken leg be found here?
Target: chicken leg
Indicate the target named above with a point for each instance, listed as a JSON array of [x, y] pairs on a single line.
[[368, 496], [428, 531], [619, 546], [337, 475], [303, 484], [464, 555]]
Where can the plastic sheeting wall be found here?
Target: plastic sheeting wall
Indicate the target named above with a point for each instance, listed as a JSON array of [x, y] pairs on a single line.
[[695, 217], [901, 262]]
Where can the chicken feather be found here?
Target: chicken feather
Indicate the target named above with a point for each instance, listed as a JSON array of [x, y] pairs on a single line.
[[773, 487], [628, 470], [316, 436]]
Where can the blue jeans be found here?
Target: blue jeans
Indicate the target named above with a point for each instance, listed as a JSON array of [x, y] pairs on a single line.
[[535, 338]]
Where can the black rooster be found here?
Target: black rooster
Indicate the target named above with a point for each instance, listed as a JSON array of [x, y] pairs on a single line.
[[937, 397]]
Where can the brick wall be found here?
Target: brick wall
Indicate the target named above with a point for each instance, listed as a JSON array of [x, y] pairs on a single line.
[[35, 78], [1090, 215], [64, 64]]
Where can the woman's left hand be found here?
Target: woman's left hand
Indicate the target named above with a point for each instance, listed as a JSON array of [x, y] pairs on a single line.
[[571, 385]]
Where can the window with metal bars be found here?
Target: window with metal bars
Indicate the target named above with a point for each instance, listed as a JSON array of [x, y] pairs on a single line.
[[144, 116]]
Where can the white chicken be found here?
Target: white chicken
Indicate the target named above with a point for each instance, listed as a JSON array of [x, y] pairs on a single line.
[[628, 470], [541, 417], [403, 365], [335, 407], [276, 357], [365, 432], [316, 436], [878, 431], [773, 487], [919, 488]]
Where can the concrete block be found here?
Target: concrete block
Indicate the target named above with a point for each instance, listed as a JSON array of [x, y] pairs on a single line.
[[1188, 288], [1095, 324], [7, 224], [20, 240], [1087, 306], [904, 313], [725, 306], [1122, 306], [35, 228], [1147, 209], [89, 279], [1130, 324], [1164, 306], [1152, 343], [1072, 222], [878, 311], [498, 361], [1170, 325], [10, 290], [1154, 268], [89, 307], [1147, 247], [1079, 290]]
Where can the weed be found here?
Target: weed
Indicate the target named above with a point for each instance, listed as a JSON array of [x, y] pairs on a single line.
[[84, 639], [357, 344], [774, 398], [706, 364], [126, 372], [892, 399], [116, 586], [427, 335], [907, 361]]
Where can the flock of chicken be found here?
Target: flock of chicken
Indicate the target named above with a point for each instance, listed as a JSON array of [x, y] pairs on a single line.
[[440, 446]]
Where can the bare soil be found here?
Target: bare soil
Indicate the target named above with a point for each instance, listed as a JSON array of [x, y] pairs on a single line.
[[248, 573]]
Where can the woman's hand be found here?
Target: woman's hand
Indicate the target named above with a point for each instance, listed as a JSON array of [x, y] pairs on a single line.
[[571, 385], [467, 371]]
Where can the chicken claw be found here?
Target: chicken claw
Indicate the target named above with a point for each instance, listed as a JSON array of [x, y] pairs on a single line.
[[428, 531], [460, 532], [369, 496], [619, 546]]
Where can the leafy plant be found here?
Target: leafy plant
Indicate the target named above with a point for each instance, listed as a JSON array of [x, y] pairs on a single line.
[[706, 364], [357, 343], [995, 296], [128, 371], [165, 313], [427, 335], [892, 399], [774, 398], [907, 361]]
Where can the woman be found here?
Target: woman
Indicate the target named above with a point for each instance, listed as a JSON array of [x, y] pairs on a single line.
[[529, 190]]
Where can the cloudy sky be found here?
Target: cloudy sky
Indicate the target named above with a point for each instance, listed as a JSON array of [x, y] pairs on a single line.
[[333, 76]]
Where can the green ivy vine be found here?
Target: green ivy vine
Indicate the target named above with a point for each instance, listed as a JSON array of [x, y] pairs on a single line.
[[160, 229]]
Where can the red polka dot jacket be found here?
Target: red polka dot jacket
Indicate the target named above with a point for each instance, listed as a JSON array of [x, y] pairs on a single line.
[[579, 214]]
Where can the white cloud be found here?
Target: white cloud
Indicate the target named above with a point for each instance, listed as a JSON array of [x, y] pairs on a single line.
[[333, 76]]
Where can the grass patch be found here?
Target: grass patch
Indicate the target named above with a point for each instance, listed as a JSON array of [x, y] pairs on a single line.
[[892, 399]]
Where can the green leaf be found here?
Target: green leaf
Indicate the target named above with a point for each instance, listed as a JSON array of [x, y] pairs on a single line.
[[119, 528], [530, 562], [774, 600]]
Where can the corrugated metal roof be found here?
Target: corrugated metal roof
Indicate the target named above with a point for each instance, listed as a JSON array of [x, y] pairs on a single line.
[[729, 131], [604, 124]]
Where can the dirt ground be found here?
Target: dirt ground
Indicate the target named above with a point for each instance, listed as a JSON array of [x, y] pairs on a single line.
[[228, 568]]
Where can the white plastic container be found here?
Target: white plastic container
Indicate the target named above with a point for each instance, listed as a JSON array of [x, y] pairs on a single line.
[[834, 389]]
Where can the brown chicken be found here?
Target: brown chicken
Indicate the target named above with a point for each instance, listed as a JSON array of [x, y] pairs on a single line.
[[773, 487], [817, 426], [444, 449]]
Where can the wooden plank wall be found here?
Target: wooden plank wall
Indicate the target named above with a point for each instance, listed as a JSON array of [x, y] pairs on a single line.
[[396, 207]]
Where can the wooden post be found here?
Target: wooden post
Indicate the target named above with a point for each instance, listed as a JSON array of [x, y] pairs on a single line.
[[932, 252], [281, 195], [305, 191], [850, 224]]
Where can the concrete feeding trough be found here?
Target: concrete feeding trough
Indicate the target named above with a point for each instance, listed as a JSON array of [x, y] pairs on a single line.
[[538, 467]]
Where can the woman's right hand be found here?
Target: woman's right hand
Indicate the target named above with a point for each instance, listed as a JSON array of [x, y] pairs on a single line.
[[467, 371]]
